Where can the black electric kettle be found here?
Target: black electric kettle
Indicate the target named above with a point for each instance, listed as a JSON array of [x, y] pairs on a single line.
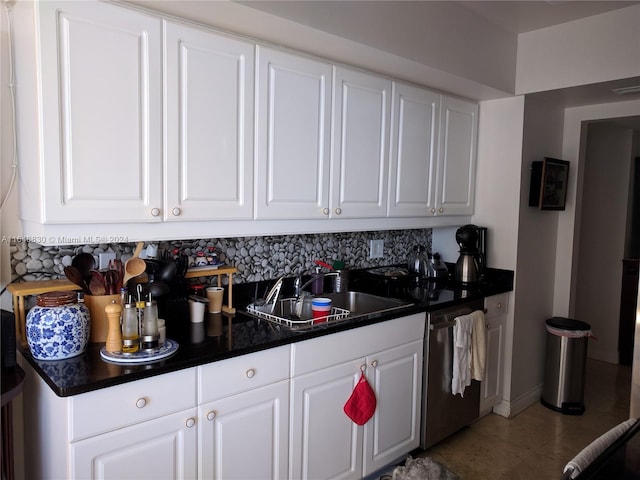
[[472, 259]]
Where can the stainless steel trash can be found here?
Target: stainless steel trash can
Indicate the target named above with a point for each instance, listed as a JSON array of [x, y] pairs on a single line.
[[565, 365]]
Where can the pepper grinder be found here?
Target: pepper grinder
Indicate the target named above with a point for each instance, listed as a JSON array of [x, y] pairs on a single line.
[[114, 334]]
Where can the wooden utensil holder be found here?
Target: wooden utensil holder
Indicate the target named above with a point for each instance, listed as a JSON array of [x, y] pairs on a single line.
[[98, 318]]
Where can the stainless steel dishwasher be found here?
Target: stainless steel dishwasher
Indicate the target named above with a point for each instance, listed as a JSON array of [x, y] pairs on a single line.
[[442, 412]]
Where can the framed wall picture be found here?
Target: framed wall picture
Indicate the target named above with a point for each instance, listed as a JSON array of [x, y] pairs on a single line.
[[549, 178]]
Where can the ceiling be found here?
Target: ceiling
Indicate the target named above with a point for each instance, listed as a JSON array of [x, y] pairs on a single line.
[[525, 16]]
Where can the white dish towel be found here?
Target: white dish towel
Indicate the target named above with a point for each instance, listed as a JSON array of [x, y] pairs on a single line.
[[461, 375], [478, 346], [469, 351]]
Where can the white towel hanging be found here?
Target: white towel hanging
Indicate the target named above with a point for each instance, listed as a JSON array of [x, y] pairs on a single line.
[[461, 375], [478, 346]]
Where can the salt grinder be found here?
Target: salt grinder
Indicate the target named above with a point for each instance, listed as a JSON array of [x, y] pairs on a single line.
[[114, 333]]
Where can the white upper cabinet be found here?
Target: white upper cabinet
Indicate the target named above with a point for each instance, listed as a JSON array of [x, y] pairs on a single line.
[[101, 114], [412, 185], [125, 119], [360, 156], [209, 83], [293, 128], [456, 157]]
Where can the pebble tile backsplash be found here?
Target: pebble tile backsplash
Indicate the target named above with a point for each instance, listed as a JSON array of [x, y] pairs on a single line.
[[256, 258]]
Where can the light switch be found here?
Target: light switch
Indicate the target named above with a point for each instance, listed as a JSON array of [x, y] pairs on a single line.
[[104, 259], [376, 248]]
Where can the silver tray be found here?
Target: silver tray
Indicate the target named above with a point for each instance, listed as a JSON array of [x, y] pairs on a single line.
[[168, 348]]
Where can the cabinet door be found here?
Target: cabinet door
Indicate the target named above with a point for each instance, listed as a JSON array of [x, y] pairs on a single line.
[[360, 157], [246, 436], [456, 157], [412, 185], [394, 430], [491, 391], [101, 94], [293, 121], [325, 443], [209, 125], [164, 448]]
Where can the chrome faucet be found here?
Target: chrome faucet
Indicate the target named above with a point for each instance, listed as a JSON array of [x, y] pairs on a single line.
[[298, 286]]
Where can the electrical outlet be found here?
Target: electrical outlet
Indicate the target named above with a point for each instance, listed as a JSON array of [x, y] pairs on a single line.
[[376, 248], [104, 258]]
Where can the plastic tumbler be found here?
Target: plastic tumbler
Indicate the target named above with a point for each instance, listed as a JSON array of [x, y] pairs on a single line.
[[321, 309]]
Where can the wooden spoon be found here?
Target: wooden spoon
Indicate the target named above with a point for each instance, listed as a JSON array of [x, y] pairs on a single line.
[[84, 262], [97, 284], [74, 275], [134, 266]]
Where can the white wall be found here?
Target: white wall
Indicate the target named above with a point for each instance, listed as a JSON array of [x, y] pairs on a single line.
[[497, 179], [536, 250], [602, 235], [9, 224], [500, 134], [591, 50]]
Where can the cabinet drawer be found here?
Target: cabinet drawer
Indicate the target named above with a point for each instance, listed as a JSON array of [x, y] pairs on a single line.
[[496, 305], [240, 374], [337, 348], [115, 407]]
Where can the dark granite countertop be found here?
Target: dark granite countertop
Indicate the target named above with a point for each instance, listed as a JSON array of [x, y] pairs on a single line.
[[223, 336]]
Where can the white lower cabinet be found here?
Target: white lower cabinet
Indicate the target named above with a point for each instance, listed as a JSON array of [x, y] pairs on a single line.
[[495, 318], [393, 431], [244, 428], [138, 430], [325, 443], [273, 414], [164, 448]]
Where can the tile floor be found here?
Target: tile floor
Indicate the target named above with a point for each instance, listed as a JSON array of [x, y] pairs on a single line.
[[537, 443]]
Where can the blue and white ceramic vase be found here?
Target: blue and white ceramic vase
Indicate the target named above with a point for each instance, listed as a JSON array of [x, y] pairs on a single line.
[[58, 326]]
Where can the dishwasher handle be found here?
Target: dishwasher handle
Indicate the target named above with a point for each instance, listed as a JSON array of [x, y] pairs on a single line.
[[441, 325]]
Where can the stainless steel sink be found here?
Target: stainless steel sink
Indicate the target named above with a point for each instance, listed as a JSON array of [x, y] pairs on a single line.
[[345, 306], [359, 303]]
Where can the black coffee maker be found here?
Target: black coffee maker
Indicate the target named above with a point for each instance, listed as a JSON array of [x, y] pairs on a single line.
[[471, 263]]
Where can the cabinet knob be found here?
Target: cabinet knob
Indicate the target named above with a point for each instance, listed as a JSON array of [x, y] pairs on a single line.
[[211, 415], [155, 212], [338, 211], [190, 422], [441, 210], [433, 210], [374, 363], [325, 211], [250, 373], [176, 211], [499, 305], [141, 402]]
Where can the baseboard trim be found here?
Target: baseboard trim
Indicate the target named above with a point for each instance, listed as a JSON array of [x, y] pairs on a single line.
[[510, 409]]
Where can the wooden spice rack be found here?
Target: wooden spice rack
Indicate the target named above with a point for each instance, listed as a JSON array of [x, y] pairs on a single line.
[[218, 272], [20, 290]]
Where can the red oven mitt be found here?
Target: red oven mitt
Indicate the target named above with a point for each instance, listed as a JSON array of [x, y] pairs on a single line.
[[362, 403]]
